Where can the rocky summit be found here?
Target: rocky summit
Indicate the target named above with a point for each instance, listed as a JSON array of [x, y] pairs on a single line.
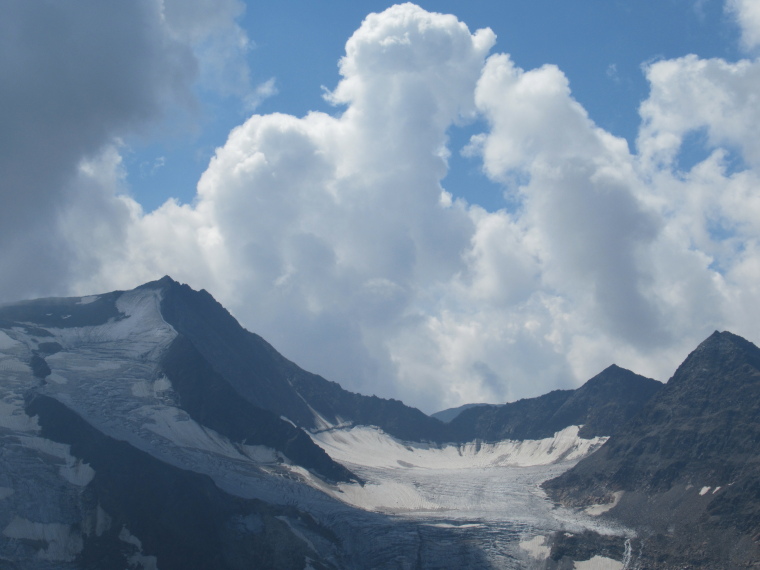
[[685, 471], [148, 429]]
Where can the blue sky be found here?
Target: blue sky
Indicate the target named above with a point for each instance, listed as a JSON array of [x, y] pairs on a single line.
[[303, 162], [600, 45]]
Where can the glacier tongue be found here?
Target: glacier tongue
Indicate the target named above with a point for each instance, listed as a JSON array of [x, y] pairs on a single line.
[[478, 485]]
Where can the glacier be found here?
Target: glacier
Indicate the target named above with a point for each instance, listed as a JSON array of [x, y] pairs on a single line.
[[476, 504]]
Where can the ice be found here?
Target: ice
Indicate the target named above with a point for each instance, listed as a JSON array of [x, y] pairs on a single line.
[[13, 417], [63, 541], [181, 430], [13, 365], [57, 378], [536, 547], [138, 559], [72, 469], [386, 495], [371, 447], [416, 497], [487, 495], [6, 342], [596, 510], [298, 533], [599, 563]]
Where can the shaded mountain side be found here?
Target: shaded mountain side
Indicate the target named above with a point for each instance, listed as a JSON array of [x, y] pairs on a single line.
[[600, 406], [450, 413], [212, 402], [524, 419], [180, 517], [604, 403], [688, 464], [266, 379]]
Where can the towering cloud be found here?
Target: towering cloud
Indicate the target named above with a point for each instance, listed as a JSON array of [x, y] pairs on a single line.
[[331, 234]]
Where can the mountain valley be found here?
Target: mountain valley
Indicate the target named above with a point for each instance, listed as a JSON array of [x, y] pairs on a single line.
[[148, 429]]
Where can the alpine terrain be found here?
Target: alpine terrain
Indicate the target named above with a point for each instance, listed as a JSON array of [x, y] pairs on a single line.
[[147, 429]]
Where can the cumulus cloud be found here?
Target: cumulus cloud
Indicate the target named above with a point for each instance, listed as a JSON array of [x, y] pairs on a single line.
[[77, 76], [331, 235], [220, 45], [747, 13]]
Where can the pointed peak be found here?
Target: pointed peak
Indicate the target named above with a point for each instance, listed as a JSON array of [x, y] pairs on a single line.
[[718, 353], [617, 375], [164, 283], [724, 340]]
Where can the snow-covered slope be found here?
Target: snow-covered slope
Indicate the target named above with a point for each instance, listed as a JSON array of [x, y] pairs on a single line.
[[368, 446], [69, 394], [130, 437], [460, 480]]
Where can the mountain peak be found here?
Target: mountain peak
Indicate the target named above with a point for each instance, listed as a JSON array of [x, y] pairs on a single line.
[[162, 283], [721, 352]]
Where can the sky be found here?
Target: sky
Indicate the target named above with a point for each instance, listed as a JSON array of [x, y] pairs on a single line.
[[439, 202]]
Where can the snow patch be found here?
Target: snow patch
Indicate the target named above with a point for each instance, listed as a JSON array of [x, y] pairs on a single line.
[[87, 300], [13, 417], [57, 378], [146, 389], [73, 470], [536, 547], [14, 365], [298, 533], [704, 491], [98, 523], [77, 472], [599, 563], [138, 558], [63, 542], [596, 510], [283, 418], [7, 342], [179, 428]]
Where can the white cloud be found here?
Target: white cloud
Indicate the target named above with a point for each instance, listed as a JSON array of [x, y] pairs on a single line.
[[220, 45], [747, 13], [688, 94], [330, 235]]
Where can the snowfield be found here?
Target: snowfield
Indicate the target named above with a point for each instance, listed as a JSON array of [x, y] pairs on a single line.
[[487, 494], [371, 447]]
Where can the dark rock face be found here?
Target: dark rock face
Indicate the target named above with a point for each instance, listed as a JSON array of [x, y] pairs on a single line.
[[688, 464], [159, 489], [269, 381], [182, 518], [266, 379], [208, 399], [601, 405], [449, 414]]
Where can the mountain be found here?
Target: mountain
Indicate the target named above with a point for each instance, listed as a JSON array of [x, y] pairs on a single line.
[[148, 429], [266, 379], [685, 471], [600, 406], [450, 413]]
